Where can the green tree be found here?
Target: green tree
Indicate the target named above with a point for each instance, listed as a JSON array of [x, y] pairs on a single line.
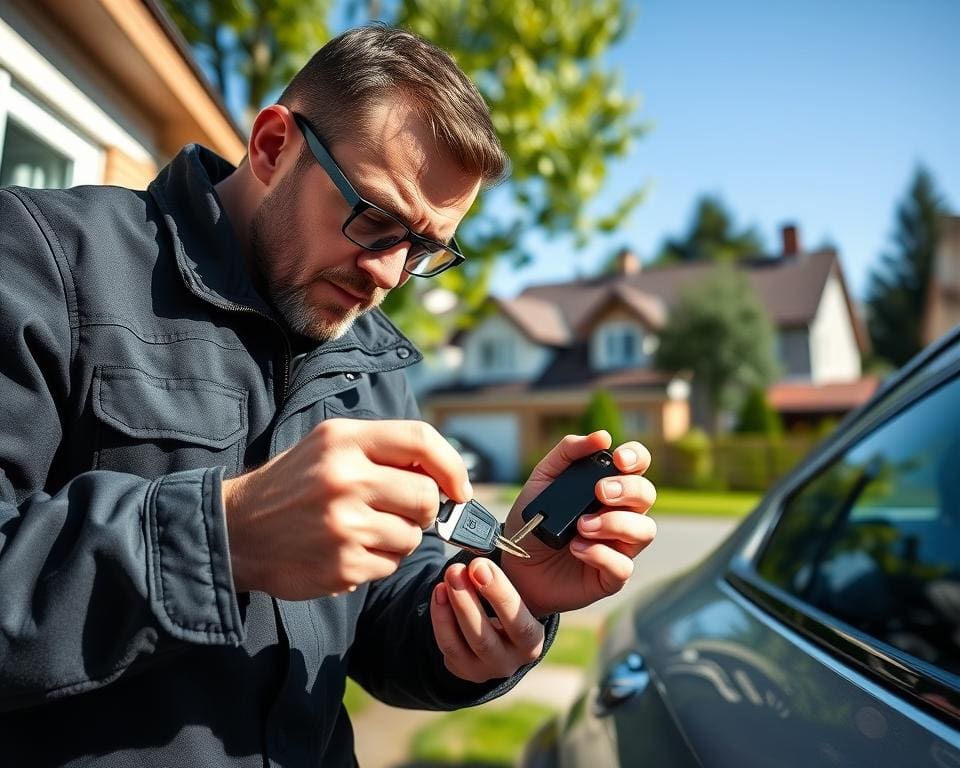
[[757, 417], [711, 236], [719, 332], [257, 44], [602, 413], [558, 106], [897, 293]]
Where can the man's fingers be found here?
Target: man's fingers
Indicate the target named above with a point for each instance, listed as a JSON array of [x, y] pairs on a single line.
[[619, 524], [632, 457], [412, 495], [523, 630], [405, 444], [631, 491], [568, 450], [613, 567], [388, 533], [456, 654], [485, 642]]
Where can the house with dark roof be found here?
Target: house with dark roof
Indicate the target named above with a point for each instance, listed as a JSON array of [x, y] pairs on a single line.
[[529, 369]]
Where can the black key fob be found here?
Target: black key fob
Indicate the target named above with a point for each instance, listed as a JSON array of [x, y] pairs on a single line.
[[569, 497]]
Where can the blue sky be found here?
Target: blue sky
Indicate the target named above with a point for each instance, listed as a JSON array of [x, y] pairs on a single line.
[[813, 112]]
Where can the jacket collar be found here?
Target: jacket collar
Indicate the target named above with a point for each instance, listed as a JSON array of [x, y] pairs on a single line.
[[210, 261]]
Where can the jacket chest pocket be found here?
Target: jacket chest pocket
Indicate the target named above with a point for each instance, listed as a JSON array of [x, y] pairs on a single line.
[[151, 425]]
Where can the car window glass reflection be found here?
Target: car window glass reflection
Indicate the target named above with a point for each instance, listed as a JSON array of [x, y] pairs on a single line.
[[874, 540]]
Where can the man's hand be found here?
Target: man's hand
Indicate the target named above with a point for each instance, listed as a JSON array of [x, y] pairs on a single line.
[[599, 560], [340, 508], [474, 646]]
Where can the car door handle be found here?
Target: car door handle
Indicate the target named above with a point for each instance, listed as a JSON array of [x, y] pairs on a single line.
[[625, 680]]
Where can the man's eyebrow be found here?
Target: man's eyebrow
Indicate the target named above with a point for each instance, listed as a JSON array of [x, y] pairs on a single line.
[[388, 204]]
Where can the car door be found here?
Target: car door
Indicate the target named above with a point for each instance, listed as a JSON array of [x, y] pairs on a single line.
[[827, 630]]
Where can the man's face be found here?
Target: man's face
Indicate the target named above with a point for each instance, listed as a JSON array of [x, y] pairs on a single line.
[[319, 280]]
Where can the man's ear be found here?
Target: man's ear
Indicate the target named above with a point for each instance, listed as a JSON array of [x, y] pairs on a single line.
[[274, 144]]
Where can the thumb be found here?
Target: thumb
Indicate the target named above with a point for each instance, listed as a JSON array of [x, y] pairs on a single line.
[[568, 450]]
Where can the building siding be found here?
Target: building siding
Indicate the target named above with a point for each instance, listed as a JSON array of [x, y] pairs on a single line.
[[527, 360], [835, 356]]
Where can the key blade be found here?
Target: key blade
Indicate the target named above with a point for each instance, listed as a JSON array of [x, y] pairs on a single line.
[[510, 547], [532, 523]]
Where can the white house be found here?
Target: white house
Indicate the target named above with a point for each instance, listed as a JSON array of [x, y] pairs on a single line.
[[529, 369]]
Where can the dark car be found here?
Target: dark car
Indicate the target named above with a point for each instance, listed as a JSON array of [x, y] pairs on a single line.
[[475, 460], [824, 632]]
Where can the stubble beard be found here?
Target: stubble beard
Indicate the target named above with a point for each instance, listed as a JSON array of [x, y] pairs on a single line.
[[277, 254]]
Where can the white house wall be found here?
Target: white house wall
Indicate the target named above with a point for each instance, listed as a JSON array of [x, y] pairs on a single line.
[[833, 345], [78, 102], [528, 359]]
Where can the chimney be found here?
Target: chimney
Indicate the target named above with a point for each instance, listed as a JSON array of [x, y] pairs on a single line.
[[791, 239], [628, 263]]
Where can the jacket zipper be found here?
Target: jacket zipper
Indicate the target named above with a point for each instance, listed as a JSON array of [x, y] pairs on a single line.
[[287, 348]]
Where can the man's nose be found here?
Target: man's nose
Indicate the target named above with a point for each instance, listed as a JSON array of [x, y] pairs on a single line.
[[385, 267]]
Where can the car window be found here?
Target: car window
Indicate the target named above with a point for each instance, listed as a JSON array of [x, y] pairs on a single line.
[[874, 538]]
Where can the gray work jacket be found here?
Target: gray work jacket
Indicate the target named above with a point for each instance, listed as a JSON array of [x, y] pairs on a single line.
[[138, 367]]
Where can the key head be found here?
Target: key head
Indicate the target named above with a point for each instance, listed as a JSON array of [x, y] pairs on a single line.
[[467, 525], [568, 498]]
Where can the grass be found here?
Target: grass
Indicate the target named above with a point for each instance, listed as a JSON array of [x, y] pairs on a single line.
[[682, 501], [355, 699], [573, 646], [490, 736]]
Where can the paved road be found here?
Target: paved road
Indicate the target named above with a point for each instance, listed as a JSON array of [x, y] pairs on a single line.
[[382, 733]]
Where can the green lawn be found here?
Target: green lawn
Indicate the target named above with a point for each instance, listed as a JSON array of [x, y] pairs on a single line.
[[573, 646], [488, 736], [681, 501]]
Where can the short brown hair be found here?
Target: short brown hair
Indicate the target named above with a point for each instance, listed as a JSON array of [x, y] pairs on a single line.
[[368, 65]]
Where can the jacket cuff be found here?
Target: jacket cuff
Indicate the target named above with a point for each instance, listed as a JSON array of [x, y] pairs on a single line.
[[188, 558]]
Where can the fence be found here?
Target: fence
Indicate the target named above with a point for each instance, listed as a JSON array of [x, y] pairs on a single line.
[[735, 462]]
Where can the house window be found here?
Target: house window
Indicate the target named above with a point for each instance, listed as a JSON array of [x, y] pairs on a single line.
[[636, 423], [37, 148], [27, 161], [620, 345], [496, 355]]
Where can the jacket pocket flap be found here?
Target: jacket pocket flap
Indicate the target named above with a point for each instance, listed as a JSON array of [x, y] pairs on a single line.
[[197, 411]]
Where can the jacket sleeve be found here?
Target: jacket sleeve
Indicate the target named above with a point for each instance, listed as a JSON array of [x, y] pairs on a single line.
[[110, 567], [395, 655]]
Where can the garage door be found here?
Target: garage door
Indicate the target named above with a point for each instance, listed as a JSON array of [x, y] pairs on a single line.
[[496, 434]]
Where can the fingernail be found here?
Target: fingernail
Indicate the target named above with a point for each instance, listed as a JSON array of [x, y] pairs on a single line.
[[467, 491], [590, 523], [482, 573], [612, 489], [629, 456], [455, 579], [441, 594], [579, 545]]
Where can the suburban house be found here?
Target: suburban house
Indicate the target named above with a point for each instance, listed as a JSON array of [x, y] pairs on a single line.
[[100, 92], [530, 367], [943, 299]]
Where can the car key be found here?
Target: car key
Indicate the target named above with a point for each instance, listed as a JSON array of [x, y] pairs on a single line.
[[469, 525], [552, 516]]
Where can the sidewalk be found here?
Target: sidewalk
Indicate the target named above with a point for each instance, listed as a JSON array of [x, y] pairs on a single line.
[[383, 733]]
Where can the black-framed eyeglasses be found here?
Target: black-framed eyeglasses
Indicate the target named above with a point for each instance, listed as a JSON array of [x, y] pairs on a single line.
[[373, 228]]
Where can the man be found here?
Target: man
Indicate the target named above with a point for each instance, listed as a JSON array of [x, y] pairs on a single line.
[[215, 485]]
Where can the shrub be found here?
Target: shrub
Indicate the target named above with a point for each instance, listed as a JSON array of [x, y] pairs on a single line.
[[602, 413]]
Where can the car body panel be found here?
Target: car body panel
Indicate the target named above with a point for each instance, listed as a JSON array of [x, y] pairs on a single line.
[[731, 682]]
